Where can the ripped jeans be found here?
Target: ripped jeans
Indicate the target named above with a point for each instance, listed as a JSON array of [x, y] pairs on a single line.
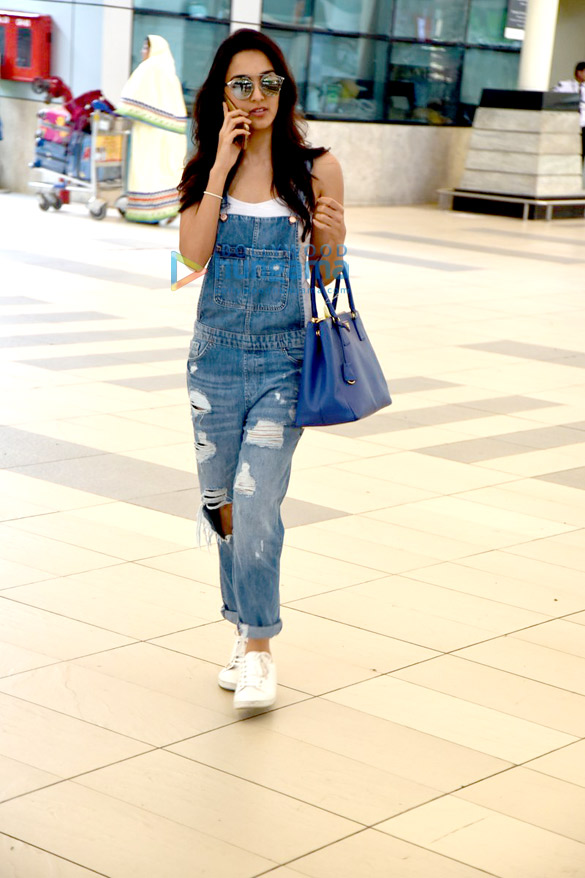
[[243, 391]]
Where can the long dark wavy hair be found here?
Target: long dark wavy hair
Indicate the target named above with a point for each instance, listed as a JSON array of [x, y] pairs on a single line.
[[290, 151]]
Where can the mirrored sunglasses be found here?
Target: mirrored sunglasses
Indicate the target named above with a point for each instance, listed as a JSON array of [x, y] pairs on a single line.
[[242, 87]]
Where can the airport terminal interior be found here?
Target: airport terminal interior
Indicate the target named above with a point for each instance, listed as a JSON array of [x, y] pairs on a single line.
[[430, 720]]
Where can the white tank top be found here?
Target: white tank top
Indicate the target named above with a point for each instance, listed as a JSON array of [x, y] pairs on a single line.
[[272, 207]]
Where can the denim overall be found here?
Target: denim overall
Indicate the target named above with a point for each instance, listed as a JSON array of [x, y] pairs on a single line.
[[243, 377]]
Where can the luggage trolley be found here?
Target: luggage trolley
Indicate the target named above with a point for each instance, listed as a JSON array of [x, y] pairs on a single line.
[[81, 147]]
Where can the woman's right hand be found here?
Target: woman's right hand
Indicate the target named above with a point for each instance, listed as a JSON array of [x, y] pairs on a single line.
[[235, 124]]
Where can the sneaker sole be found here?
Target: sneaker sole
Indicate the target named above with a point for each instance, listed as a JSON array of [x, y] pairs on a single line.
[[230, 687], [253, 705]]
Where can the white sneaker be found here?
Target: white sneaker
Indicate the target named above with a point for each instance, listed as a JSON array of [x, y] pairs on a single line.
[[257, 681], [228, 676]]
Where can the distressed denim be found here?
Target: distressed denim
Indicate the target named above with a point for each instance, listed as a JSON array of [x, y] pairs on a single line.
[[243, 377]]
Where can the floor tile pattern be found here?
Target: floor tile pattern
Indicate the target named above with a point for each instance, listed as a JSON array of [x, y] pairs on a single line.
[[430, 719]]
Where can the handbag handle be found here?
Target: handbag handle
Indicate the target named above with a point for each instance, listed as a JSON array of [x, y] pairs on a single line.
[[346, 366], [336, 291], [316, 280]]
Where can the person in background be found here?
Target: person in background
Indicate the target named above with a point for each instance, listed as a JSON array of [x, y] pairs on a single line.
[[576, 86], [153, 99]]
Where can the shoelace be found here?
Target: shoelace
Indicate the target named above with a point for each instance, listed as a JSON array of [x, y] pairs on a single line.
[[255, 668], [237, 653]]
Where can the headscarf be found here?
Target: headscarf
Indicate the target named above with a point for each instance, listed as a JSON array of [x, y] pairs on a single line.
[[153, 94]]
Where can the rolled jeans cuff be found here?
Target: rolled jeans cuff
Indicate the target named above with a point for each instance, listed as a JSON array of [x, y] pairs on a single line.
[[252, 632]]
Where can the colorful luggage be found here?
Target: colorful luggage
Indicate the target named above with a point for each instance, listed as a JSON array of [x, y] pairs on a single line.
[[82, 144], [51, 155], [54, 125], [80, 155]]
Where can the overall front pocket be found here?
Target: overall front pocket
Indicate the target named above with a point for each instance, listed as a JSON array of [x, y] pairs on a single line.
[[252, 279], [231, 276]]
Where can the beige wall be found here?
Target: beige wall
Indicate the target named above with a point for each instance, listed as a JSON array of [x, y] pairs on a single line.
[[569, 39], [19, 123], [394, 164]]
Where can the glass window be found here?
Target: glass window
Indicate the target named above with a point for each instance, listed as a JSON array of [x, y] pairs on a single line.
[[423, 83], [295, 48], [194, 8], [401, 61], [367, 17], [200, 44], [287, 11], [193, 44], [2, 44], [428, 20], [23, 47], [487, 20], [346, 77], [170, 28], [486, 69]]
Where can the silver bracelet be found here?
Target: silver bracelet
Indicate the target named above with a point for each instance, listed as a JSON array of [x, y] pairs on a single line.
[[206, 192]]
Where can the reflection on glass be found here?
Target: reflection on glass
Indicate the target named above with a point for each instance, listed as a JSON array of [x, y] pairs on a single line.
[[487, 20], [201, 42], [170, 28], [193, 8], [367, 17], [423, 83], [485, 69], [295, 48], [429, 20], [346, 77], [2, 43], [193, 44], [287, 11]]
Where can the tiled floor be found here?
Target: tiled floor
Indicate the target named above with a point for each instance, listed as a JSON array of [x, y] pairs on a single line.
[[431, 713]]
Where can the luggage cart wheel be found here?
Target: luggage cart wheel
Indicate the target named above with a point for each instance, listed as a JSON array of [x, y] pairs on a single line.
[[44, 202], [121, 205], [98, 209], [55, 201]]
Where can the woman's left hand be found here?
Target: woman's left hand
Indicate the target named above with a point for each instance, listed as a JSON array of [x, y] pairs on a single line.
[[328, 234], [328, 216]]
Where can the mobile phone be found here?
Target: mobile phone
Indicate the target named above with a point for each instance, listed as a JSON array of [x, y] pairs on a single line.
[[240, 140]]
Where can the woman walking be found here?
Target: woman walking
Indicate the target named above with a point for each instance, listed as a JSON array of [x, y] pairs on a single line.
[[153, 99], [256, 199]]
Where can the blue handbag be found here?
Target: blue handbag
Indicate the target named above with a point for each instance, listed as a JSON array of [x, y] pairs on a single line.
[[341, 378]]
